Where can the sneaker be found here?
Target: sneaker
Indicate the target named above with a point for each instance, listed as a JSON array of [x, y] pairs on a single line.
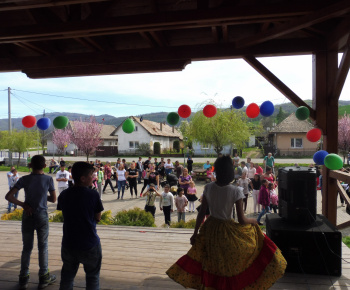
[[23, 282], [46, 280]]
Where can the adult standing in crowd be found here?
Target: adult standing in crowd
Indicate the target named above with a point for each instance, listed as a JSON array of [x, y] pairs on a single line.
[[145, 178], [249, 162], [145, 164], [178, 169], [189, 164], [132, 176], [153, 176], [168, 167], [121, 176], [139, 167], [269, 176], [236, 160], [161, 170], [53, 165], [269, 161], [207, 165], [107, 176], [184, 181], [62, 176]]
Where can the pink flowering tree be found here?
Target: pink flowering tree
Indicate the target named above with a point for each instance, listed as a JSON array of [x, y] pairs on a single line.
[[61, 138], [86, 135], [344, 135]]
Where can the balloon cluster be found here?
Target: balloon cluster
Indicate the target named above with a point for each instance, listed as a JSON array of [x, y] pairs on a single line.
[[44, 123], [331, 161]]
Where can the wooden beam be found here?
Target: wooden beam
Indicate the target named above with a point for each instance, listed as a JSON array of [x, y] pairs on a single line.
[[224, 33], [32, 47], [24, 5], [215, 34], [123, 68], [337, 9], [338, 37], [342, 72], [154, 22], [343, 193], [193, 52], [340, 175], [277, 83]]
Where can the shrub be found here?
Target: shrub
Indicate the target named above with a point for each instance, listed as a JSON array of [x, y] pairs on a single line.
[[176, 145], [134, 217], [184, 225], [144, 149], [16, 215], [57, 217], [156, 148], [106, 218]]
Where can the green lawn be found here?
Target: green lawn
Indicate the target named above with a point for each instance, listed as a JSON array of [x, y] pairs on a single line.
[[343, 110]]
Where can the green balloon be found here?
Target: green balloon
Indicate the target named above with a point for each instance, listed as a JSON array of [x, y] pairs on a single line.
[[60, 122], [128, 126], [333, 161], [302, 113], [173, 118]]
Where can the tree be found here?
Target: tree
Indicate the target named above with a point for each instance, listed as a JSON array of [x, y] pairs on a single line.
[[281, 115], [225, 128], [156, 148], [344, 135], [20, 141], [86, 135], [61, 138]]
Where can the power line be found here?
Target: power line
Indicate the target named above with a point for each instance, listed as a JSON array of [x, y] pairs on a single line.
[[23, 102], [35, 103], [97, 101]]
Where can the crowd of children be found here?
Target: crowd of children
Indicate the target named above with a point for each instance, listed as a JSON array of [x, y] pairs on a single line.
[[91, 180]]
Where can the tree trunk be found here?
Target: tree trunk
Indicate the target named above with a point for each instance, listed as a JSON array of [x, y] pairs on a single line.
[[19, 159]]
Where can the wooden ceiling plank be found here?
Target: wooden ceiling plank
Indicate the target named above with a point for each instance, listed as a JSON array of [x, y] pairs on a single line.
[[224, 29], [214, 31], [338, 37], [277, 83], [23, 6], [195, 52], [159, 38], [342, 72], [32, 47], [147, 37], [94, 43], [136, 23], [333, 10], [126, 68]]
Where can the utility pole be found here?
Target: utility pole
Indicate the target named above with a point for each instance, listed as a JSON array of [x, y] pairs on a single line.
[[9, 120]]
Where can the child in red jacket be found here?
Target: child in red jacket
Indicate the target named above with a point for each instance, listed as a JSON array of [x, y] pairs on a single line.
[[264, 200]]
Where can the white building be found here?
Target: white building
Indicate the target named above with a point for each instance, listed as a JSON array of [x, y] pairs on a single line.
[[146, 132]]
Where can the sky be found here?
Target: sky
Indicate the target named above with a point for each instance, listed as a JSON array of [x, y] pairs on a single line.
[[137, 94]]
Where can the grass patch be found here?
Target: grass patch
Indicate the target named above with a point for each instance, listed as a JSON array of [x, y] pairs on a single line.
[[346, 241]]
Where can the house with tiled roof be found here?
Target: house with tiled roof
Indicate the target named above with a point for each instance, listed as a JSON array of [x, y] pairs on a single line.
[[146, 132], [108, 146], [289, 137]]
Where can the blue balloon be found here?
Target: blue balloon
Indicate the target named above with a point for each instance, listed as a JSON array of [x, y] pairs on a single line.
[[238, 102], [319, 157], [43, 123], [267, 109]]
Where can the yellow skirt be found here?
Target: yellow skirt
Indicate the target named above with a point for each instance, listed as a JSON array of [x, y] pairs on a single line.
[[228, 255]]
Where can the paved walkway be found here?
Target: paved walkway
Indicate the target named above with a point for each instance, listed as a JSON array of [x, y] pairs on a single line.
[[110, 202]]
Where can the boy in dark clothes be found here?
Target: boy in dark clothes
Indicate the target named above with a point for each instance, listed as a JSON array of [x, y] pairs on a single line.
[[81, 208], [35, 218]]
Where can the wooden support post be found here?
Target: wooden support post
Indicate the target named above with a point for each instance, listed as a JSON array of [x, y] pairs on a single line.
[[325, 66]]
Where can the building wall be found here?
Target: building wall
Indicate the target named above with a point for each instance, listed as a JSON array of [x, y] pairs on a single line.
[[199, 149], [52, 148], [283, 144]]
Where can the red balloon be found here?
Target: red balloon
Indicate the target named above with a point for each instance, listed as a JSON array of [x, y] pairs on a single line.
[[252, 110], [314, 135], [184, 111], [28, 121], [209, 111]]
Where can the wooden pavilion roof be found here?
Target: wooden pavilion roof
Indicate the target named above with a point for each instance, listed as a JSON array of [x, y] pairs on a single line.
[[50, 38]]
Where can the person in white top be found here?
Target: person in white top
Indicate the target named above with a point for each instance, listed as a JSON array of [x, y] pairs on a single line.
[[244, 168], [224, 249], [168, 167], [166, 204], [12, 180], [62, 176], [121, 179]]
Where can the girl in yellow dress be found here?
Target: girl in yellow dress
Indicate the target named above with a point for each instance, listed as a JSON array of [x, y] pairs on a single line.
[[226, 254]]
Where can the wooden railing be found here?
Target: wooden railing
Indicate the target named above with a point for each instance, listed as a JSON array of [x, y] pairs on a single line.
[[345, 177]]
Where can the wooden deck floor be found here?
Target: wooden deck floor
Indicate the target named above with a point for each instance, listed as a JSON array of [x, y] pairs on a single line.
[[133, 258]]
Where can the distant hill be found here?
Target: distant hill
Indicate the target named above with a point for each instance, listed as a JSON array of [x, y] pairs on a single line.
[[344, 107]]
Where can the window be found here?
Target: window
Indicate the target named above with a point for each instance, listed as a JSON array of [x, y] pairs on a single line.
[[131, 144], [205, 146], [135, 129], [110, 143], [296, 143], [136, 144]]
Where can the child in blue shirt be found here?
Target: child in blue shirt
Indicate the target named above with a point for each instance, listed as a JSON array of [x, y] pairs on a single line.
[[35, 218], [81, 208]]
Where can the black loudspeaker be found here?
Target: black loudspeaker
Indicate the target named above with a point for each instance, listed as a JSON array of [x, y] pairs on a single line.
[[311, 249], [297, 191]]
